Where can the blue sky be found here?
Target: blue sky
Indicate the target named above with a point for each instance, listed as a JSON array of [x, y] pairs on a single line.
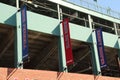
[[113, 4]]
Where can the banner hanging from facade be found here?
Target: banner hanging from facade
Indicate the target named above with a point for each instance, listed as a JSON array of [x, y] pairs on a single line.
[[100, 47], [67, 42], [24, 32]]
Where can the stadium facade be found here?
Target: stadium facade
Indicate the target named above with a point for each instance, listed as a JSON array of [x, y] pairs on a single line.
[[58, 40]]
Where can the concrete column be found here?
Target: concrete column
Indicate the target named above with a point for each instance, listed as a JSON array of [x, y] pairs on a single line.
[[95, 57], [62, 58], [17, 3], [119, 50], [94, 51], [115, 27], [90, 21], [18, 42]]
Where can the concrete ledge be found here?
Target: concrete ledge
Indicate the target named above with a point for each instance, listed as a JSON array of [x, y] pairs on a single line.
[[25, 74]]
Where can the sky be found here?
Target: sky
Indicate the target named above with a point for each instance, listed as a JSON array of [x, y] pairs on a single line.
[[113, 4]]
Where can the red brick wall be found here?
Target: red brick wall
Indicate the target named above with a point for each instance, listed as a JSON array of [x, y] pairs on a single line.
[[24, 74]]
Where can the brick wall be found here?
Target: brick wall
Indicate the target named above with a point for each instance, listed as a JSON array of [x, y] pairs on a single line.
[[24, 74]]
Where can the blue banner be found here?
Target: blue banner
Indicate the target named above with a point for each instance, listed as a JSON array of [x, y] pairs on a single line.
[[24, 32], [100, 47]]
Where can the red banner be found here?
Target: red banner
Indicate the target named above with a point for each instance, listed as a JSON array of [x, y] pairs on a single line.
[[67, 42]]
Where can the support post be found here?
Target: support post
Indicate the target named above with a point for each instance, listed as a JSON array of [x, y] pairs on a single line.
[[90, 21], [62, 58], [95, 57], [94, 51], [119, 52], [17, 3], [115, 27], [18, 39]]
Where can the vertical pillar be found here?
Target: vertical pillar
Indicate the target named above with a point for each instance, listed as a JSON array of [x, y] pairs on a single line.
[[119, 50], [115, 27], [62, 58], [94, 52], [85, 22], [118, 59], [18, 39], [17, 3], [90, 21], [95, 57], [117, 31]]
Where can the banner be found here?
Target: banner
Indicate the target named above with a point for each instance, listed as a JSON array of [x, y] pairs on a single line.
[[24, 33], [100, 47], [67, 42]]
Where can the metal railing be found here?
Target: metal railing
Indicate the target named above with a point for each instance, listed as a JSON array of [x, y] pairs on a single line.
[[97, 8], [86, 21], [71, 16]]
